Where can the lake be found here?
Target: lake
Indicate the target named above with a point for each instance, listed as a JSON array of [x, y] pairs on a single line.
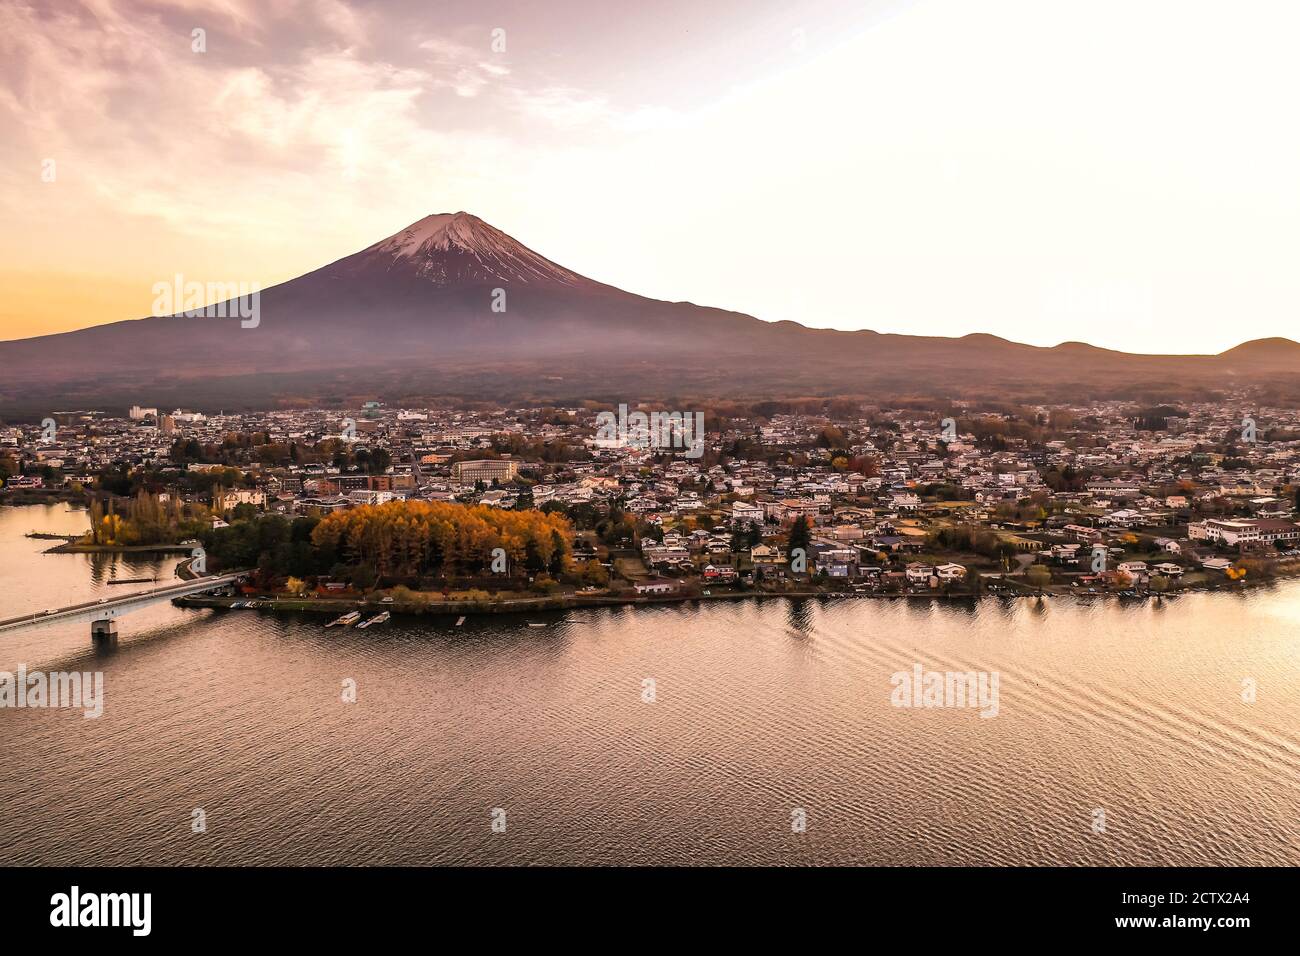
[[754, 732]]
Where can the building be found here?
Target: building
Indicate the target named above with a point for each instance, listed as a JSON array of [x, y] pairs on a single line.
[[486, 471], [1248, 531], [344, 484], [368, 496], [919, 573], [228, 498], [656, 586], [950, 572], [324, 505]]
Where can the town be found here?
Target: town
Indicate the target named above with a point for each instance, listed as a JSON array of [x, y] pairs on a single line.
[[807, 496]]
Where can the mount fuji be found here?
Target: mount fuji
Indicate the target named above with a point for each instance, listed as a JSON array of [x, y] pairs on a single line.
[[452, 306]]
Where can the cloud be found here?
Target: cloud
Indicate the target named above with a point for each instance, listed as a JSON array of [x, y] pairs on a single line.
[[564, 107], [221, 155], [461, 67]]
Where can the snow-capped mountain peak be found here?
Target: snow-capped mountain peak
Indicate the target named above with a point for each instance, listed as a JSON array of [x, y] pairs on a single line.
[[447, 248]]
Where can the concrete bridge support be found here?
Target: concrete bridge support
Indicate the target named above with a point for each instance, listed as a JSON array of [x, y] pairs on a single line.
[[104, 633]]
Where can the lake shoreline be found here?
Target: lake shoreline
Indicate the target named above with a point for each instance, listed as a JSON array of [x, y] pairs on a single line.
[[324, 606], [75, 547]]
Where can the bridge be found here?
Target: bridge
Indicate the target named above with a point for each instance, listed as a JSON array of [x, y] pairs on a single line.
[[103, 614]]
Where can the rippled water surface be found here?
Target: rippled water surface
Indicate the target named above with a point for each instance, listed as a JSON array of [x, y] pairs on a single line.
[[759, 709]]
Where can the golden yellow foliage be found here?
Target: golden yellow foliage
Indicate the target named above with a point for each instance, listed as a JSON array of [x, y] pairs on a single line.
[[408, 538]]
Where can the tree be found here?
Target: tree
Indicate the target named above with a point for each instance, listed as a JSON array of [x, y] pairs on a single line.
[[800, 536], [1039, 576], [364, 577], [96, 520], [411, 539], [556, 564], [377, 461], [594, 573], [832, 437]]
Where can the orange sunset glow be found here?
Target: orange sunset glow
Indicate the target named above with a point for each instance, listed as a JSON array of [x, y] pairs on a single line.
[[931, 167]]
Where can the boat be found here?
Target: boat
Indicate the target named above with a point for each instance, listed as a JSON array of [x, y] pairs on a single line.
[[460, 620], [531, 624], [347, 619], [377, 619]]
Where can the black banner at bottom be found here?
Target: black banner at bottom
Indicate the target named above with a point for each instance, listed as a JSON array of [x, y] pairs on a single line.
[[142, 905]]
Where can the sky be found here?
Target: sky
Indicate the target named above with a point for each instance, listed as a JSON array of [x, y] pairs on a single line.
[[1121, 173]]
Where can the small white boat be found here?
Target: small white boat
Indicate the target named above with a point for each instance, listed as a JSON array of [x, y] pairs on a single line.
[[377, 619], [460, 620], [531, 624], [346, 620]]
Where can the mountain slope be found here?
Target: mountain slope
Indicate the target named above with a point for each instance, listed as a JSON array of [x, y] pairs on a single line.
[[451, 305]]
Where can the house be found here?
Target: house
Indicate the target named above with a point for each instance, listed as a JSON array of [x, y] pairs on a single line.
[[1125, 518], [885, 542], [719, 573], [950, 572], [837, 562], [656, 586], [699, 539], [919, 573], [229, 498], [657, 555], [1113, 489]]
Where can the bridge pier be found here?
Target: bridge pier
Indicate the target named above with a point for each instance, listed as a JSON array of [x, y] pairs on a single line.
[[104, 633]]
